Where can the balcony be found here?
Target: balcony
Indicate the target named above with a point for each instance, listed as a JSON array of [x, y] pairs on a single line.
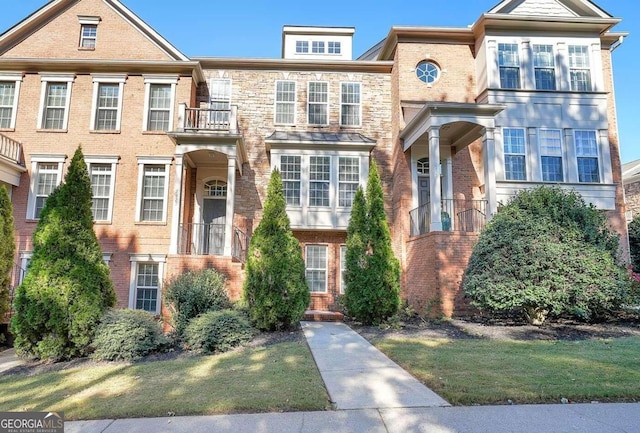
[[11, 168], [10, 149], [468, 216], [208, 240], [207, 120]]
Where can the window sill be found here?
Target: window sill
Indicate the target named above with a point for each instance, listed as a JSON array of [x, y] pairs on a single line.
[[350, 126], [86, 49], [319, 294], [102, 223], [154, 132], [104, 131], [7, 129], [32, 221], [150, 223], [54, 131]]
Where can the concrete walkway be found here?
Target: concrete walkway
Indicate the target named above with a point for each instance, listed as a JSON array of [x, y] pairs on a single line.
[[359, 376], [566, 418], [9, 360]]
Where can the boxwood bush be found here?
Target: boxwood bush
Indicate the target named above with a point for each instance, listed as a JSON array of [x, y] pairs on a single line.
[[127, 335], [218, 331], [195, 292]]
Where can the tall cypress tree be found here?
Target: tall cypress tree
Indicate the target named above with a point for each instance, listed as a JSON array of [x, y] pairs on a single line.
[[7, 249], [67, 287], [373, 272], [275, 287]]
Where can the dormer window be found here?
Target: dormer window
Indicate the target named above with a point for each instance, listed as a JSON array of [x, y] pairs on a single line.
[[317, 47], [88, 32], [302, 46], [334, 48]]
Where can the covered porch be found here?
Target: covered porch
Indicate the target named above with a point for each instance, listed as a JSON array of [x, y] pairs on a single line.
[[442, 198], [209, 155]]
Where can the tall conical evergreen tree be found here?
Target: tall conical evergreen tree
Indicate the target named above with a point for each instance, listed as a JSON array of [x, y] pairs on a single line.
[[7, 249], [373, 272], [67, 287], [275, 287]]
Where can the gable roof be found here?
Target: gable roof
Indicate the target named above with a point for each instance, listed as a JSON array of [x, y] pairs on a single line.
[[52, 9], [562, 8]]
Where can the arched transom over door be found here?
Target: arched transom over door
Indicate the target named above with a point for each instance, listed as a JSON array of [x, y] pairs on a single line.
[[214, 209]]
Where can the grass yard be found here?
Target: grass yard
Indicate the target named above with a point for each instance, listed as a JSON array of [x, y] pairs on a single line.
[[478, 371], [280, 377]]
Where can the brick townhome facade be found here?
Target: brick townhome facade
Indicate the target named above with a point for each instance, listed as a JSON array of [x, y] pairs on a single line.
[[180, 149]]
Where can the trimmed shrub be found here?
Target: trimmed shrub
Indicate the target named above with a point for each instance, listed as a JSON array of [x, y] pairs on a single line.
[[67, 289], [275, 289], [535, 264], [218, 331], [7, 250], [127, 335], [193, 293], [373, 272]]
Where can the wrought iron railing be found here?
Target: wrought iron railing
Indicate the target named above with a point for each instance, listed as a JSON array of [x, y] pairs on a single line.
[[10, 149], [202, 239], [240, 245], [456, 215]]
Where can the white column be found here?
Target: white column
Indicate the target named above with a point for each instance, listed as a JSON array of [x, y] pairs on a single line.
[[182, 116], [597, 78], [533, 156], [571, 164], [489, 156], [562, 66], [177, 206], [605, 156], [493, 70], [434, 179], [231, 195], [526, 66]]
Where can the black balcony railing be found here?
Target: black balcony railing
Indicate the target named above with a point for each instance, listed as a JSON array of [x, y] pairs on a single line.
[[456, 215], [240, 245], [202, 239]]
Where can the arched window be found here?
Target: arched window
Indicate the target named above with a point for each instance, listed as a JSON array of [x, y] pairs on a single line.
[[423, 166], [215, 189]]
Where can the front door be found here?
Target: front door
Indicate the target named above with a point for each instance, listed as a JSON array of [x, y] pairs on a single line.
[[213, 217], [424, 210]]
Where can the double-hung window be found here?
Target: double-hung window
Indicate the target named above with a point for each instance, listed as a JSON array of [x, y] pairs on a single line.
[[9, 90], [316, 267], [46, 174], [146, 282], [107, 102], [580, 68], [290, 170], [544, 66], [319, 180], [153, 181], [317, 47], [514, 154], [102, 173], [54, 101], [550, 141], [88, 36], [348, 180], [350, 104], [159, 102], [285, 103], [318, 103], [509, 65], [586, 143], [220, 103]]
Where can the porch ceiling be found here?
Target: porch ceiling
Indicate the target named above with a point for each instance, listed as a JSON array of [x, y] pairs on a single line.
[[459, 124]]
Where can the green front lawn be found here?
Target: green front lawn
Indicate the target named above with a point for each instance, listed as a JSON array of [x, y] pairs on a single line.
[[281, 377], [468, 372]]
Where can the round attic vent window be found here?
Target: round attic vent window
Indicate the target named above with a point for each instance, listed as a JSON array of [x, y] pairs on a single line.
[[427, 72]]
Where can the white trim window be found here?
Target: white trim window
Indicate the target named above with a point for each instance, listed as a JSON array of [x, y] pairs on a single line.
[[587, 156], [46, 175], [145, 287], [316, 268], [9, 91], [318, 103], [350, 104], [544, 67], [160, 93], [220, 102], [290, 170], [88, 32], [302, 47], [550, 141], [153, 189], [317, 47], [334, 47], [348, 180], [55, 100], [102, 173], [319, 181], [343, 268], [514, 154], [285, 105], [107, 103], [580, 68], [509, 66]]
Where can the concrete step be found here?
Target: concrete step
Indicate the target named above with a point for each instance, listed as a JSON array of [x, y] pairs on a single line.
[[323, 316]]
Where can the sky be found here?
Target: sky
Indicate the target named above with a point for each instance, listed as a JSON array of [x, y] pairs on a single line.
[[241, 28]]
